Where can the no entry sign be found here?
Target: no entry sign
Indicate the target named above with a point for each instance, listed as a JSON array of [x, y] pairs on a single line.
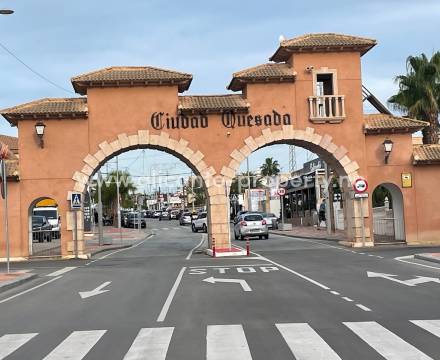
[[360, 186]]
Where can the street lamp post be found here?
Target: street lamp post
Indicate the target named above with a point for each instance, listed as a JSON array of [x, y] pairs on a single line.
[[6, 12]]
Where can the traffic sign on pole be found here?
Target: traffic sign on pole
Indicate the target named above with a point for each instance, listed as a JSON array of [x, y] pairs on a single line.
[[360, 185], [281, 192], [75, 201]]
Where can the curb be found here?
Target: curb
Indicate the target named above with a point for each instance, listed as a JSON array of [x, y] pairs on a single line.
[[427, 257], [16, 282], [305, 237], [118, 247]]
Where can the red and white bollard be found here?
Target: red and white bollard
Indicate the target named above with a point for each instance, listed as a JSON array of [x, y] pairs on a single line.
[[213, 246], [248, 247]]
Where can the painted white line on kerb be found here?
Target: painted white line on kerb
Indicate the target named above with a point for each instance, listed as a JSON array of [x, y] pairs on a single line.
[[347, 299], [169, 300], [360, 306], [29, 290], [195, 247], [61, 271], [401, 259], [120, 250]]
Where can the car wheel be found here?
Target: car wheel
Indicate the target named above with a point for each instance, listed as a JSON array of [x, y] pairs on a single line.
[[266, 236], [235, 236], [260, 237], [204, 228], [193, 228], [242, 237]]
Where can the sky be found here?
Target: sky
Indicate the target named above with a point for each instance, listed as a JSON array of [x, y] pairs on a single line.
[[210, 39]]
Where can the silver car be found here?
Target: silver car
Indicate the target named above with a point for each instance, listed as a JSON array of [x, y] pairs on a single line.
[[250, 225], [271, 220]]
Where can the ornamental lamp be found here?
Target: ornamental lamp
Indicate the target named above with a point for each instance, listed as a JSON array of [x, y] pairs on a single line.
[[6, 12], [388, 147], [39, 129]]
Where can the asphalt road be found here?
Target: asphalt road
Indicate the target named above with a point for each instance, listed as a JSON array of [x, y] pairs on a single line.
[[292, 299]]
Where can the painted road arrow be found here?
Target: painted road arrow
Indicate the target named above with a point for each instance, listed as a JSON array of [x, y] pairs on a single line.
[[411, 282], [242, 282], [97, 291]]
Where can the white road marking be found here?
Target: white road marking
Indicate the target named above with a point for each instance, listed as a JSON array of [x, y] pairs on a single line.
[[96, 291], [386, 343], [227, 342], [403, 259], [360, 306], [169, 300], [433, 326], [347, 299], [120, 250], [165, 229], [10, 343], [221, 266], [151, 344], [335, 293], [242, 282], [62, 271], [29, 290], [76, 345], [305, 343], [195, 247]]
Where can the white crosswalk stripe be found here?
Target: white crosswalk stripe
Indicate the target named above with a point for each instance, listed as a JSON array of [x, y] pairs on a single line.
[[76, 345], [227, 342], [305, 343], [385, 342], [10, 343], [433, 326], [151, 344]]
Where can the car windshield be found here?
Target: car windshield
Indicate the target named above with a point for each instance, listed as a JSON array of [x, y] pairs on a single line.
[[38, 220], [271, 215], [253, 217], [264, 214], [48, 214]]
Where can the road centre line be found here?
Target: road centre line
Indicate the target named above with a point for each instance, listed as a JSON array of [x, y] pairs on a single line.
[[347, 299], [62, 271], [195, 247], [168, 301], [360, 306], [120, 250], [29, 290]]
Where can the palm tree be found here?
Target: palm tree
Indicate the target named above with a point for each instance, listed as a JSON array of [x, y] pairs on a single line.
[[419, 93], [240, 182], [270, 167]]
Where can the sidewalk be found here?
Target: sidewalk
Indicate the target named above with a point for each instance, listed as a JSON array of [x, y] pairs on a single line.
[[114, 238], [13, 279], [311, 232]]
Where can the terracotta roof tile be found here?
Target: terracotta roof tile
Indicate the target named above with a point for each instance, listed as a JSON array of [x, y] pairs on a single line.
[[11, 141], [262, 73], [384, 123], [130, 76], [212, 103], [426, 154], [322, 42], [47, 108]]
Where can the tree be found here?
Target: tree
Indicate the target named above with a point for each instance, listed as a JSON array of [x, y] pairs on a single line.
[[270, 167], [419, 93]]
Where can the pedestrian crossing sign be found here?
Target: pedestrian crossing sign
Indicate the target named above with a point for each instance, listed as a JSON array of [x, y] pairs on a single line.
[[75, 201]]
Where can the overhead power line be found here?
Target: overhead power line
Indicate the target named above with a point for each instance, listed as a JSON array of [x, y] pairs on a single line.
[[41, 76]]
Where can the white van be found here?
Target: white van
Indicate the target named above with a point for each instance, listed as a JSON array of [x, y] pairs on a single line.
[[51, 214]]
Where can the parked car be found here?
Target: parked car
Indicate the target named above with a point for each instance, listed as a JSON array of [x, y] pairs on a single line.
[[251, 225], [134, 219], [241, 212], [185, 219], [52, 217], [163, 215], [201, 223], [194, 215], [107, 220], [41, 229], [156, 214], [173, 214], [271, 220]]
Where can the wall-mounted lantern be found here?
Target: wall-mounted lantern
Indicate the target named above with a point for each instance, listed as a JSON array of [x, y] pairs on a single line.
[[388, 147], [39, 129]]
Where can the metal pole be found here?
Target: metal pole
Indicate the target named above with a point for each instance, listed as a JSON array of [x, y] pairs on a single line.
[[282, 211], [249, 184], [100, 222], [117, 193], [5, 203], [328, 223], [192, 192], [362, 222], [75, 243]]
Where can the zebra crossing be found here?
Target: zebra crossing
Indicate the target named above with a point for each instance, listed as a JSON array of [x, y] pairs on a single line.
[[229, 342]]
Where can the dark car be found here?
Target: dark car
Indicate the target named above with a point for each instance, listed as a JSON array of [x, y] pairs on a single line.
[[41, 229], [133, 221]]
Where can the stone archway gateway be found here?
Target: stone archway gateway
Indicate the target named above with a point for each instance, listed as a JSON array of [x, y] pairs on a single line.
[[310, 95]]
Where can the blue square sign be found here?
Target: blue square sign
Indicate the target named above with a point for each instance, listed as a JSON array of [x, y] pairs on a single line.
[[75, 201]]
